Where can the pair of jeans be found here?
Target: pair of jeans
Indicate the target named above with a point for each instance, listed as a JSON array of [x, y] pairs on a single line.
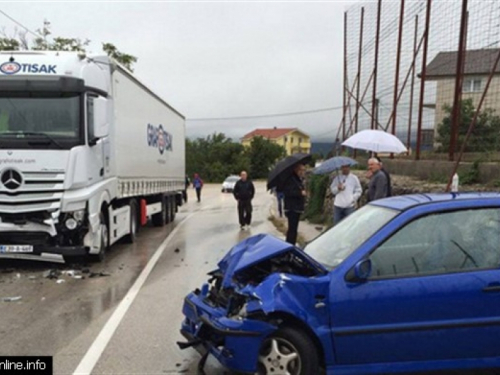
[[198, 193], [293, 226], [340, 213], [245, 212]]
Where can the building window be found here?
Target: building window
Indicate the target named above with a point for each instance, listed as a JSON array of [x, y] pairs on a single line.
[[300, 141], [291, 139], [472, 85], [286, 138]]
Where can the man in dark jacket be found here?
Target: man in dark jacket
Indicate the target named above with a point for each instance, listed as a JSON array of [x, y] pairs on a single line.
[[387, 176], [295, 196], [377, 187], [244, 192]]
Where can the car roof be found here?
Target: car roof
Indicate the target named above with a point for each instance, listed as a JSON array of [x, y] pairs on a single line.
[[404, 202]]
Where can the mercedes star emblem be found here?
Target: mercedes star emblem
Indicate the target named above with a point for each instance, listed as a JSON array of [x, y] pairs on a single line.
[[11, 179]]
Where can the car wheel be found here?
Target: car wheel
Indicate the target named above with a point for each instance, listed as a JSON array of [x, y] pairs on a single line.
[[288, 351]]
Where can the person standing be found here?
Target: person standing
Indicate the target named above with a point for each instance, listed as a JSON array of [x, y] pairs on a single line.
[[197, 185], [295, 196], [347, 190], [387, 176], [377, 187], [185, 192], [244, 192]]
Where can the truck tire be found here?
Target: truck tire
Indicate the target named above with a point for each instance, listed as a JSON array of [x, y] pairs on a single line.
[[173, 208], [134, 222], [161, 218], [104, 245]]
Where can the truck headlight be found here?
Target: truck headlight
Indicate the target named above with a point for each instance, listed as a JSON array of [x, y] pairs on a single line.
[[71, 223], [78, 215]]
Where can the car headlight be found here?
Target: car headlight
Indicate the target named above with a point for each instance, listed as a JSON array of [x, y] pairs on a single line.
[[243, 311], [71, 223]]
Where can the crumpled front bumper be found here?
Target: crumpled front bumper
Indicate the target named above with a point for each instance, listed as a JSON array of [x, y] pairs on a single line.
[[234, 342]]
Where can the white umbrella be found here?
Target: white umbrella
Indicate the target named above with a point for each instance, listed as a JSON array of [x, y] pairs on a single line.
[[375, 141]]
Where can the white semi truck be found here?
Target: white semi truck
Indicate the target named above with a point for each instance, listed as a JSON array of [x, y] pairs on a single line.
[[87, 154]]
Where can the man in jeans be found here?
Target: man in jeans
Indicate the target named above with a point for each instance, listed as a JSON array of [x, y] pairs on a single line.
[[347, 190], [244, 192]]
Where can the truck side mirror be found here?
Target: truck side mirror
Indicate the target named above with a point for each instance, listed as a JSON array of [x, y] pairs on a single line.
[[100, 122]]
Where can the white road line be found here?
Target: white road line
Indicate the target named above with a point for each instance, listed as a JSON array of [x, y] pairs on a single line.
[[95, 351]]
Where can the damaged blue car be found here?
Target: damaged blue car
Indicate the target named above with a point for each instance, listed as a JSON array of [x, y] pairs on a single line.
[[405, 284]]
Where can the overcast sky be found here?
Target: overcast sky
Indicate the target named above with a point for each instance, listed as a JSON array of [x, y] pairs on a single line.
[[218, 59]]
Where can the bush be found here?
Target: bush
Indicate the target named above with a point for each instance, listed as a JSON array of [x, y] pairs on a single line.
[[471, 176], [317, 185]]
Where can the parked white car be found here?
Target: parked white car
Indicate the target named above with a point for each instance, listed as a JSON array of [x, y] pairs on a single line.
[[228, 184]]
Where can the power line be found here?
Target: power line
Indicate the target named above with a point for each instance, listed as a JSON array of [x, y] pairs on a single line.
[[266, 116], [20, 24]]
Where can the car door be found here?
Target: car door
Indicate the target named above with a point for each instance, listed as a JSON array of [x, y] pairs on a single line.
[[433, 293]]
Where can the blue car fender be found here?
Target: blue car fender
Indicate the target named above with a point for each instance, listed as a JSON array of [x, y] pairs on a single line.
[[300, 298]]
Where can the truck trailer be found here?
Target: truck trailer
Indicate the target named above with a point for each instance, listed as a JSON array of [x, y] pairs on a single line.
[[88, 154]]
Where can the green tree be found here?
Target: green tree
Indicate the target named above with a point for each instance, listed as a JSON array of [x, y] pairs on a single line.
[[123, 58], [484, 137], [45, 42], [263, 154], [215, 157]]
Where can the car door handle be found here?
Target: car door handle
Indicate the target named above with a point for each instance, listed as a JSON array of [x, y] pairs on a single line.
[[492, 288]]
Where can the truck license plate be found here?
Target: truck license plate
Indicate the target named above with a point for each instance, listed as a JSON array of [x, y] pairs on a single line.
[[16, 249]]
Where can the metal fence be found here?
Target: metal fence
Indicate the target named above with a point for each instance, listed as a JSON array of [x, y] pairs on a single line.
[[427, 71]]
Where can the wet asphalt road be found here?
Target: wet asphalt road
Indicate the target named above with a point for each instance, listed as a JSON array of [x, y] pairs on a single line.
[[63, 319]]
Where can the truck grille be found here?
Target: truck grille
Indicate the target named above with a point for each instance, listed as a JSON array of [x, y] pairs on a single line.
[[39, 191], [24, 238]]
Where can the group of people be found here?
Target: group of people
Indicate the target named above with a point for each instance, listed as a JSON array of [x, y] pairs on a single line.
[[347, 189]]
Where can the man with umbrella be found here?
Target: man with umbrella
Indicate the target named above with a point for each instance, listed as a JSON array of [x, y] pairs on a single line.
[[347, 190], [287, 176], [295, 198]]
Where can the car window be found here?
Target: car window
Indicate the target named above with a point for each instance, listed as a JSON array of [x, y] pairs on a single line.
[[440, 243], [336, 244]]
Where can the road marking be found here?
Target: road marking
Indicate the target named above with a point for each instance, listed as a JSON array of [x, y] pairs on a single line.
[[95, 351]]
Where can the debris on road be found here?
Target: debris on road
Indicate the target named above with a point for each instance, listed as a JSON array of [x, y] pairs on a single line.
[[32, 277], [7, 270], [98, 274], [60, 281], [12, 299], [52, 274], [176, 250]]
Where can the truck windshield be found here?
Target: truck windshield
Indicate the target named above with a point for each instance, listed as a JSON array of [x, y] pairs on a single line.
[[48, 122], [336, 244]]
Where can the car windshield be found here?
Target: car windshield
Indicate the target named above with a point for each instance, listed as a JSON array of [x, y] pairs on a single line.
[[336, 244], [231, 179], [28, 121]]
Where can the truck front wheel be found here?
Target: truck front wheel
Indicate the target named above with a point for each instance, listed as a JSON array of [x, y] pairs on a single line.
[[104, 243]]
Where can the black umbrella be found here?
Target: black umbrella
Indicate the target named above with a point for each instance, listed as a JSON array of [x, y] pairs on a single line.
[[284, 169]]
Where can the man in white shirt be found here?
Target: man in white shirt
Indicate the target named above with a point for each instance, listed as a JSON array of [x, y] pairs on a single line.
[[347, 190]]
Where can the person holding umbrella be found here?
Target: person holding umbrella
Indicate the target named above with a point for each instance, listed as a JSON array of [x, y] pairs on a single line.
[[295, 198], [347, 190], [287, 177]]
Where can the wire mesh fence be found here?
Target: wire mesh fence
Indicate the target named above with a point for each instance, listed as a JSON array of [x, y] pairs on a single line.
[[426, 71]]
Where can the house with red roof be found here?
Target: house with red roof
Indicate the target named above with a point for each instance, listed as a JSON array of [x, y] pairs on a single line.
[[292, 139]]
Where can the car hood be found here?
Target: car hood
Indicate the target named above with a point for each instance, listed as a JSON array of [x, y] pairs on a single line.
[[257, 249]]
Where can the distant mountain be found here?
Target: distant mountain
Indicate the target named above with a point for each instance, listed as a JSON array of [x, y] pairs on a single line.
[[321, 147]]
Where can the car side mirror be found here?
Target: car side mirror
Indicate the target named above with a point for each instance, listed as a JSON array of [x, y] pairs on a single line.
[[361, 271], [100, 123]]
